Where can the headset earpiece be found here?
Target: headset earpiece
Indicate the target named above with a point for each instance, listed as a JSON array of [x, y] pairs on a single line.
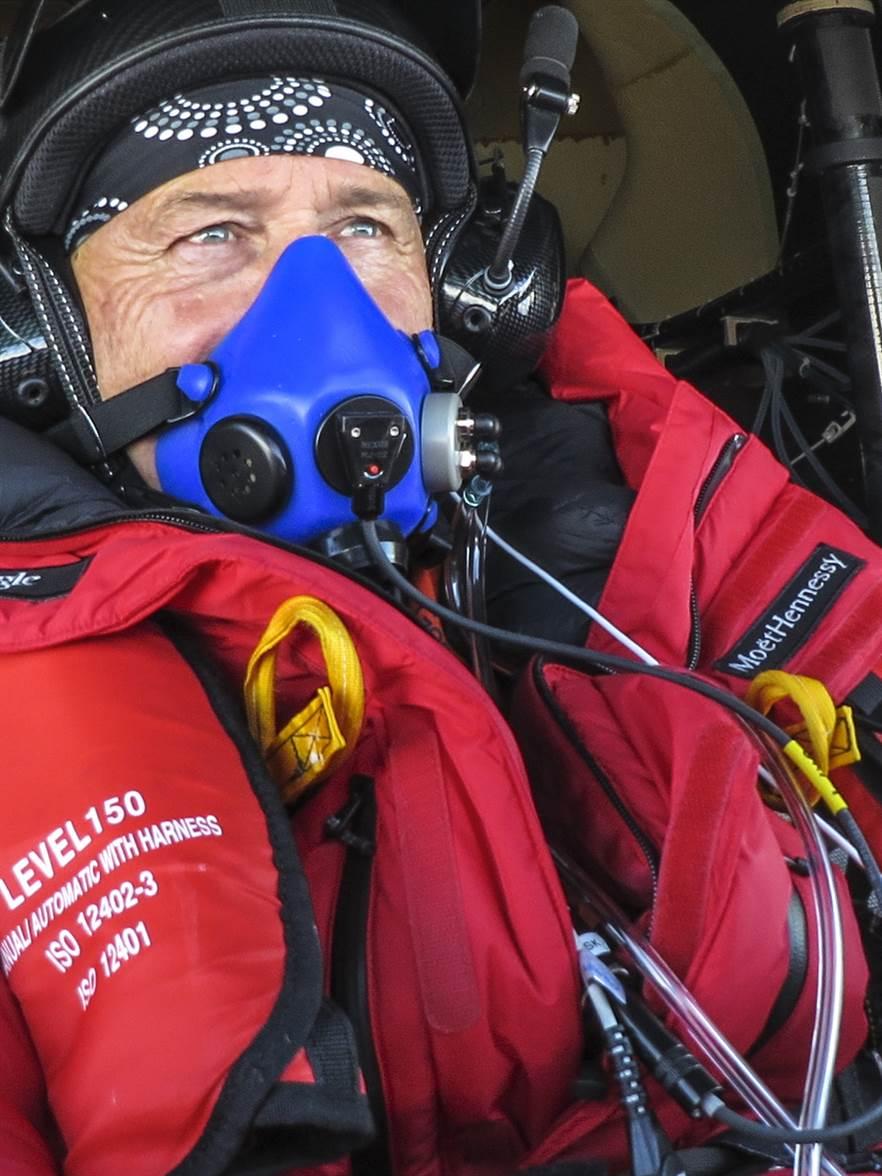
[[30, 390], [506, 330]]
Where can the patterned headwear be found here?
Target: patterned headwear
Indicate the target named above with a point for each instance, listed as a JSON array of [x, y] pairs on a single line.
[[234, 120]]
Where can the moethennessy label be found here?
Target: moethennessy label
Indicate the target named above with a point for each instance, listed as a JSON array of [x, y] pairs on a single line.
[[794, 614]]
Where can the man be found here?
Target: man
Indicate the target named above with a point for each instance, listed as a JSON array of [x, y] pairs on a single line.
[[176, 961], [163, 170]]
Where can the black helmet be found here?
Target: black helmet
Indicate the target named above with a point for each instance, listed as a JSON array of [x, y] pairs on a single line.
[[68, 89], [82, 79]]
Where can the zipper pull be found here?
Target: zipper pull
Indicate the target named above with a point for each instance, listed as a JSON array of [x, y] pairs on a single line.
[[343, 826]]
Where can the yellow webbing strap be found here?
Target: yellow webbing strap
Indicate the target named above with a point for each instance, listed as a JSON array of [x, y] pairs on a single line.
[[825, 739], [321, 735]]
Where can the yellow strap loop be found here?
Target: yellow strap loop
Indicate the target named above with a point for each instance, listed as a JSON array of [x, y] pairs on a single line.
[[323, 734], [811, 700], [825, 739]]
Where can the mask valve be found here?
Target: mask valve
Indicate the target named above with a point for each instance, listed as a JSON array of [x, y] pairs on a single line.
[[246, 468], [363, 449]]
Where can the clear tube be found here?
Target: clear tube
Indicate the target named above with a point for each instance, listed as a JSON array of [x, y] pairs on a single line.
[[828, 1001], [464, 573], [830, 832], [711, 1042]]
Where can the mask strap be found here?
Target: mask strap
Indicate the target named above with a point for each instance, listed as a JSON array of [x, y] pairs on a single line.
[[93, 432]]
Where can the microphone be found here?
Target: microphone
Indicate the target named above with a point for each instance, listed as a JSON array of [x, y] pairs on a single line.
[[546, 95], [551, 46]]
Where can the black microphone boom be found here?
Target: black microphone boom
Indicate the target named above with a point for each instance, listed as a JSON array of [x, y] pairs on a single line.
[[546, 95]]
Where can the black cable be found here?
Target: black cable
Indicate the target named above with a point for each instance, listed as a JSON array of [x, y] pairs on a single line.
[[765, 400], [836, 1133], [500, 271], [645, 1143], [821, 325], [822, 344], [838, 496], [609, 662], [569, 653], [781, 414], [773, 366], [854, 834], [793, 188]]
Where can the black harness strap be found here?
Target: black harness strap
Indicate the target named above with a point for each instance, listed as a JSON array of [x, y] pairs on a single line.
[[797, 971], [92, 433]]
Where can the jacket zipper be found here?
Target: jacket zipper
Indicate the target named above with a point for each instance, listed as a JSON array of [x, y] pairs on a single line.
[[647, 849], [355, 825], [185, 521], [710, 485]]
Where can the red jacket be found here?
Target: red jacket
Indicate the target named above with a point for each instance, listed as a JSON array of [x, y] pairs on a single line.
[[159, 1059], [167, 946], [737, 533]]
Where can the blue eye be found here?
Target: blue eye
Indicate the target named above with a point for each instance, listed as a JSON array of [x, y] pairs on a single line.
[[362, 228], [213, 235]]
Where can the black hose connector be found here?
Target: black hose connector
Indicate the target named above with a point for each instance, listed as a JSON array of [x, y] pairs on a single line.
[[643, 1137], [671, 1063]]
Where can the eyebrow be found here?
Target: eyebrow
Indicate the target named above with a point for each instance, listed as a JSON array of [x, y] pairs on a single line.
[[348, 196]]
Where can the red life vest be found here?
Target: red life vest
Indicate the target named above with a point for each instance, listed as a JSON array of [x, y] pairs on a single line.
[[166, 944], [202, 1039], [651, 788]]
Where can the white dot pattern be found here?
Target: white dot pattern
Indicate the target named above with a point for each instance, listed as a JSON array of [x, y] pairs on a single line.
[[280, 100], [100, 213]]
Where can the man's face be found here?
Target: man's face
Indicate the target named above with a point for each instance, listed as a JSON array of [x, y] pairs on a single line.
[[167, 279]]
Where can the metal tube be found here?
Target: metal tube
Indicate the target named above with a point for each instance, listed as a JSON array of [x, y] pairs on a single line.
[[832, 45]]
